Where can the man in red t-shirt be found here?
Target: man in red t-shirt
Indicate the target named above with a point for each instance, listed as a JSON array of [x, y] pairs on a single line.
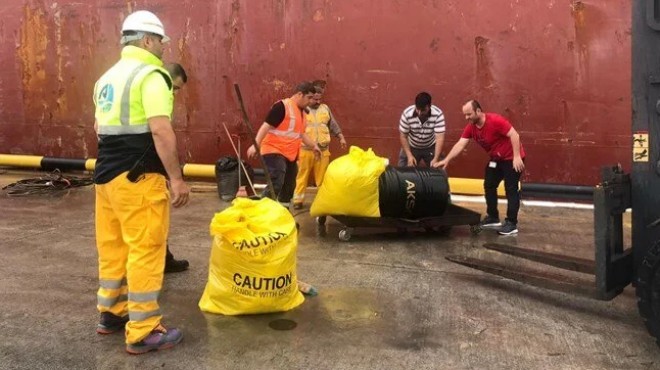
[[502, 142]]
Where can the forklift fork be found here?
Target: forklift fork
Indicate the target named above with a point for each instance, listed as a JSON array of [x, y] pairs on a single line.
[[612, 265]]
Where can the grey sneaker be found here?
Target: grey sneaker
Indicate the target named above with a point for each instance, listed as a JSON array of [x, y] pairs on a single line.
[[508, 228], [160, 338], [490, 221]]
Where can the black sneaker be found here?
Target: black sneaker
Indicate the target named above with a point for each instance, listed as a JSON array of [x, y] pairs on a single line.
[[490, 221], [508, 228], [110, 323], [172, 265]]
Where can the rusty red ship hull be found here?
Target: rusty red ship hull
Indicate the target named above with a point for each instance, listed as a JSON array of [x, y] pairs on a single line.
[[559, 70]]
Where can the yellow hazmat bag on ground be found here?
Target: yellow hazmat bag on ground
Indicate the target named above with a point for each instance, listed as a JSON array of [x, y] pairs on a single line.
[[253, 260], [350, 185]]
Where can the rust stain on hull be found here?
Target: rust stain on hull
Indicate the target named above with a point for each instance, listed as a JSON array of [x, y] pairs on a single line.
[[484, 63], [578, 10], [32, 58], [232, 30]]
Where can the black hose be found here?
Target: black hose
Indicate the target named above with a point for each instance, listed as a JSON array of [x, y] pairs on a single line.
[[53, 183]]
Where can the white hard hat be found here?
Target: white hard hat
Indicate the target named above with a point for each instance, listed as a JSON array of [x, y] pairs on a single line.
[[143, 21]]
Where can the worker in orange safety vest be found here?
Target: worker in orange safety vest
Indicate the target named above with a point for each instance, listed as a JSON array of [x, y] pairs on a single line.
[[280, 138]]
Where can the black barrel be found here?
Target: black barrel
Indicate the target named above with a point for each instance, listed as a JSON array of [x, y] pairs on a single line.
[[227, 171], [410, 192]]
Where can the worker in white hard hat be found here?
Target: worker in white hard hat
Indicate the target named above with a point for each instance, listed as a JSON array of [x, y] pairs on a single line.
[[137, 176], [141, 23]]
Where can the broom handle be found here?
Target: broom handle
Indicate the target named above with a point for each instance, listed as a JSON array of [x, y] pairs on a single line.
[[246, 121]]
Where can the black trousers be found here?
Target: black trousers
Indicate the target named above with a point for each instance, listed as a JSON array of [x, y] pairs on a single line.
[[503, 170], [283, 174], [425, 155]]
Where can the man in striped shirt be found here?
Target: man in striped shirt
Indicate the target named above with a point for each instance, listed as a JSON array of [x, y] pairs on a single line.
[[422, 132]]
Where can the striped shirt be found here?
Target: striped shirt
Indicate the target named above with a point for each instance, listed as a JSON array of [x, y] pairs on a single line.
[[422, 134]]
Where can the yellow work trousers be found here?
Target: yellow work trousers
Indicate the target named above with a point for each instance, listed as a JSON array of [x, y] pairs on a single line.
[[307, 163], [132, 222]]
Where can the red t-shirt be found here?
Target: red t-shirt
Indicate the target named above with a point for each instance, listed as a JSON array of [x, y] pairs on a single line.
[[492, 137]]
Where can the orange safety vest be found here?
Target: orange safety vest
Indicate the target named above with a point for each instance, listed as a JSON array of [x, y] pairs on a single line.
[[286, 138]]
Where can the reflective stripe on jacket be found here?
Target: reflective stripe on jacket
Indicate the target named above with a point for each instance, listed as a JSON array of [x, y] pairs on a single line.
[[286, 138]]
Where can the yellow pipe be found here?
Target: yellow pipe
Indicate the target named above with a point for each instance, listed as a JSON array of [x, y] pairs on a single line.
[[457, 185], [15, 160], [90, 164], [470, 186], [199, 170]]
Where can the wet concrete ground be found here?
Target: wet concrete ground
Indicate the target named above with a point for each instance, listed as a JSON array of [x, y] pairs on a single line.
[[386, 301]]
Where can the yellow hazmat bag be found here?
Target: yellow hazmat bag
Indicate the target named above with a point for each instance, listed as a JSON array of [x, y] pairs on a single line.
[[253, 260], [350, 185]]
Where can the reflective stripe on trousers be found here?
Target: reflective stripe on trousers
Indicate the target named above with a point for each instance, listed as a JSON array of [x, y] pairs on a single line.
[[113, 296], [132, 222]]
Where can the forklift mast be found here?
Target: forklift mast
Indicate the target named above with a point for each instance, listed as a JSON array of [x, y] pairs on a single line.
[[640, 190], [645, 174]]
